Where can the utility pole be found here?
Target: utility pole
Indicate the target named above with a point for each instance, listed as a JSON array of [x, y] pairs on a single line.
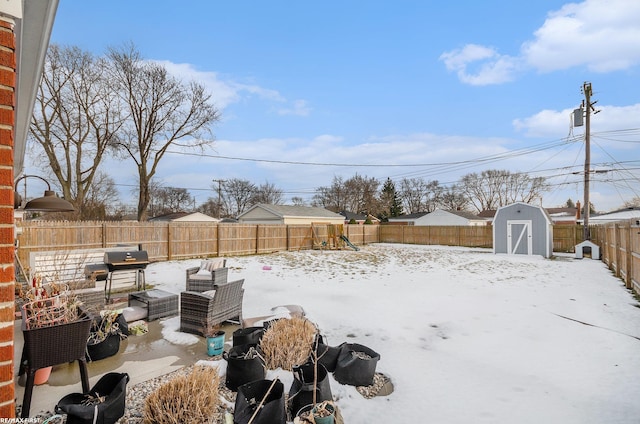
[[220, 182], [588, 105]]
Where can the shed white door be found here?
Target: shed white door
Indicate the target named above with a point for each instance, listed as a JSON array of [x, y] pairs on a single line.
[[519, 237]]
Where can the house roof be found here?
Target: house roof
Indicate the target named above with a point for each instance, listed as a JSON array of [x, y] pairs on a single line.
[[287, 211], [410, 216], [183, 216], [352, 215], [463, 214], [33, 29], [487, 213], [619, 215]]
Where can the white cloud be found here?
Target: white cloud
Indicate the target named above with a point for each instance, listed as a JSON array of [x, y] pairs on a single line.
[[490, 67], [226, 92], [297, 107], [602, 35], [557, 124]]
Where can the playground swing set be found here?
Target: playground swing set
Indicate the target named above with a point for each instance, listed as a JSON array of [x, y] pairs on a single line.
[[330, 237]]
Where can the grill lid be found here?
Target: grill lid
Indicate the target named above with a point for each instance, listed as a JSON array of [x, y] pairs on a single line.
[[117, 261]]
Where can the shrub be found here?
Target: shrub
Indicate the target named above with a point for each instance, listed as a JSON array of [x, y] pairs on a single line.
[[189, 399], [288, 342]]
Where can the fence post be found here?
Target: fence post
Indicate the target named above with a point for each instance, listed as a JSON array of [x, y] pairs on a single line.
[[257, 238], [169, 241], [628, 269]]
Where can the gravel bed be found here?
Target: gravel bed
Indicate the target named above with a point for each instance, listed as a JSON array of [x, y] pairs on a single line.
[[136, 396]]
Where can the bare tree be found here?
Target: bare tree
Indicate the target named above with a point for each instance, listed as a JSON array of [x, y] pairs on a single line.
[[170, 200], [419, 195], [298, 201], [210, 207], [633, 203], [74, 122], [334, 198], [237, 196], [492, 189], [362, 195], [162, 112], [101, 199], [453, 199], [267, 193]]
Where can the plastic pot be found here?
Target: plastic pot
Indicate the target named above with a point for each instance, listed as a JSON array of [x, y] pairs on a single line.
[[215, 344]]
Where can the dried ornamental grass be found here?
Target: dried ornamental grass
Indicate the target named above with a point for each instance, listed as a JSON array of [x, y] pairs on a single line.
[[189, 399], [287, 343]]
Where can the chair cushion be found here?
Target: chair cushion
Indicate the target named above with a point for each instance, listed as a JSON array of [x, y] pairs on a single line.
[[209, 293], [211, 264], [201, 277]]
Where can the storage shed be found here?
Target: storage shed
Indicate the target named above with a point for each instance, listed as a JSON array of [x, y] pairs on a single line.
[[523, 229]]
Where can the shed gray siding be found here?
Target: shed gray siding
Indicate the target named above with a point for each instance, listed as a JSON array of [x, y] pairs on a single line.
[[516, 215]]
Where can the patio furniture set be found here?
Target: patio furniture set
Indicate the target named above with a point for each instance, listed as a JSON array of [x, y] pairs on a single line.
[[209, 300]]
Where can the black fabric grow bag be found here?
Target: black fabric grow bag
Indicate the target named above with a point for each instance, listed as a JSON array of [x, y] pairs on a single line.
[[356, 365], [112, 386], [106, 348], [247, 336], [249, 397], [241, 370], [327, 355], [301, 392]]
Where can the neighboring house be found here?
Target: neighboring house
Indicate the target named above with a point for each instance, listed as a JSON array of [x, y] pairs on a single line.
[[563, 216], [441, 217], [359, 218], [289, 215], [626, 214], [185, 217], [408, 219]]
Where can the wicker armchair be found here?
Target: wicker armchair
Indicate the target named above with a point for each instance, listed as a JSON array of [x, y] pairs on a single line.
[[201, 282], [212, 308]]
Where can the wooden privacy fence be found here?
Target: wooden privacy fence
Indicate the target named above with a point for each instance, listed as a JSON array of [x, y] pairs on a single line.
[[183, 240], [619, 242], [174, 241], [620, 249]]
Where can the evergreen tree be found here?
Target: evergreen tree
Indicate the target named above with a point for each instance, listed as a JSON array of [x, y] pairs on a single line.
[[390, 201]]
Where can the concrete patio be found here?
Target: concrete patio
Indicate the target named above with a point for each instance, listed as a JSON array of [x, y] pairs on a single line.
[[143, 357]]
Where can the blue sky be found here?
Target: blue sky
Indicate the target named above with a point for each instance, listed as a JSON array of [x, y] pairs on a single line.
[[390, 89]]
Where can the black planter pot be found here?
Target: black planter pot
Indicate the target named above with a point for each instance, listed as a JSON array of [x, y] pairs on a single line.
[[240, 370], [247, 336], [301, 392], [352, 368], [249, 397], [104, 349], [327, 355]]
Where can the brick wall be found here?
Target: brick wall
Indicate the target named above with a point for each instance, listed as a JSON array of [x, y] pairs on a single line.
[[7, 272]]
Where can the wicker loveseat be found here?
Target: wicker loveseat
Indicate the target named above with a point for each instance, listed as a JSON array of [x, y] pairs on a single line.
[[212, 307], [207, 276]]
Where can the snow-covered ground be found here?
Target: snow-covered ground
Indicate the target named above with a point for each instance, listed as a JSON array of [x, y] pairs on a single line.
[[466, 336]]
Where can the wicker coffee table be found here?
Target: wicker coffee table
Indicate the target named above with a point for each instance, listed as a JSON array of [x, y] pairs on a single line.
[[158, 303]]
